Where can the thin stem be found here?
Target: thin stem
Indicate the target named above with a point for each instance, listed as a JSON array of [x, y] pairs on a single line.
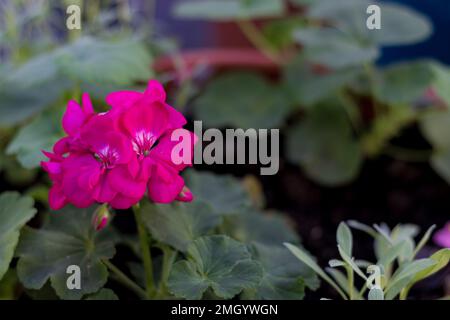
[[145, 248], [257, 39], [352, 110], [123, 279], [169, 256], [350, 282], [372, 83]]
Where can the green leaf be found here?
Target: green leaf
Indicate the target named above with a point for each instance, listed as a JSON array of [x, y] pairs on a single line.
[[269, 228], [218, 263], [399, 24], [350, 261], [404, 82], [98, 62], [308, 87], [279, 32], [441, 258], [103, 294], [333, 48], [306, 259], [15, 212], [179, 224], [436, 128], [224, 193], [362, 227], [67, 239], [391, 254], [8, 285], [323, 145], [284, 276], [344, 238], [242, 100], [376, 294], [334, 263], [405, 274], [30, 88], [225, 10], [424, 240], [442, 82], [342, 281], [40, 134]]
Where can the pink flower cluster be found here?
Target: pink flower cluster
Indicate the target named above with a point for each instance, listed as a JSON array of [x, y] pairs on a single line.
[[118, 156], [442, 236]]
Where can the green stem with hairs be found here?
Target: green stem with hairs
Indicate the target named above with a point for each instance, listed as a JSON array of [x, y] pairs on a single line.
[[145, 251]]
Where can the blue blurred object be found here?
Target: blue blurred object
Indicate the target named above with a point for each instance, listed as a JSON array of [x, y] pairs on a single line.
[[195, 34], [437, 46]]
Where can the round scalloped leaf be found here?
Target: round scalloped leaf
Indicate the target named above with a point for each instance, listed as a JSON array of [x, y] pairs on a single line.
[[268, 228], [218, 263], [308, 87], [284, 276], [15, 212], [96, 61], [103, 294], [40, 134], [67, 238], [333, 48], [242, 100], [181, 223], [323, 145], [399, 24], [224, 193], [404, 82]]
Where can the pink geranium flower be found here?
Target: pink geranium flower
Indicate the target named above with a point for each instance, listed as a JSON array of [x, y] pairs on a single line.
[[149, 122], [117, 156], [442, 237]]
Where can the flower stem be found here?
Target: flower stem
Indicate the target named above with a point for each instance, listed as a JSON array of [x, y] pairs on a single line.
[[258, 40], [350, 282], [127, 282], [145, 248], [169, 256]]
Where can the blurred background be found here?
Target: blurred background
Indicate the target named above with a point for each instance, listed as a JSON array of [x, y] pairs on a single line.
[[361, 138]]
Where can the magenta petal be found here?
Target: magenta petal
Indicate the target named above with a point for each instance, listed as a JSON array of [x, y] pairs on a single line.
[[121, 181], [122, 100], [145, 119], [56, 198], [62, 146], [122, 202], [163, 151], [51, 167], [165, 185], [176, 118], [103, 191], [442, 237], [155, 91], [77, 196], [89, 178], [88, 108], [73, 118]]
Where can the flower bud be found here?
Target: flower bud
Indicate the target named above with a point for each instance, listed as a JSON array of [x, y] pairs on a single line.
[[101, 217], [185, 195]]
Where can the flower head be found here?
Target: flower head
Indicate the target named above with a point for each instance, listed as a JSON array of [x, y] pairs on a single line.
[[115, 157]]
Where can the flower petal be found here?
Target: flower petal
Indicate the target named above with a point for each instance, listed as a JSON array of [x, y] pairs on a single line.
[[165, 184], [73, 118]]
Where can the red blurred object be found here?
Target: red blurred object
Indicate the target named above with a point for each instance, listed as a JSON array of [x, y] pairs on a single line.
[[218, 59]]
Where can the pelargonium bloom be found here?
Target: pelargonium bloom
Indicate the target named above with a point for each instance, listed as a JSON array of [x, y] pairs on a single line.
[[442, 237], [115, 157]]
